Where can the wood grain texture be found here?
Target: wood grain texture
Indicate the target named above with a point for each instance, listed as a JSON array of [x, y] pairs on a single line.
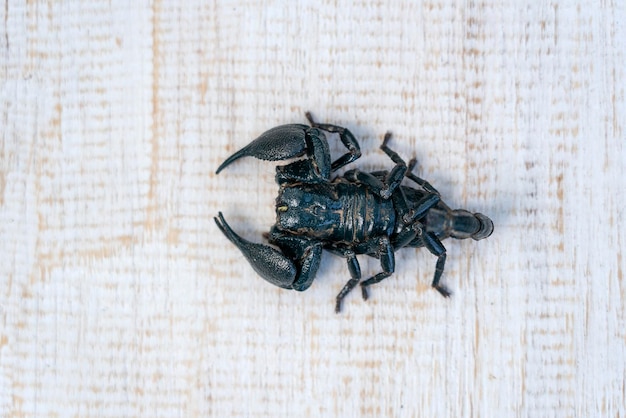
[[119, 296]]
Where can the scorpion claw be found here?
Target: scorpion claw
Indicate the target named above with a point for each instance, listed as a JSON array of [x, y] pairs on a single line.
[[279, 143], [269, 263]]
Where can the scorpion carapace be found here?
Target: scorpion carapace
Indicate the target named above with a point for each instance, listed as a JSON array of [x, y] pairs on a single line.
[[360, 212]]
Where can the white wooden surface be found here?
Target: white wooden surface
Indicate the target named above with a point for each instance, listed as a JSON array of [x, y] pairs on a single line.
[[119, 296]]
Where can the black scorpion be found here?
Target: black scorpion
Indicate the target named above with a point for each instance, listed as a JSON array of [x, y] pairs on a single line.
[[357, 213]]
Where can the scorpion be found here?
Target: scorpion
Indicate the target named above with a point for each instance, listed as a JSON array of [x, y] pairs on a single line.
[[360, 212]]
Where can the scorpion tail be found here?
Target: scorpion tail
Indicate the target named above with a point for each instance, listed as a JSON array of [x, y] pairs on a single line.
[[470, 225], [486, 227]]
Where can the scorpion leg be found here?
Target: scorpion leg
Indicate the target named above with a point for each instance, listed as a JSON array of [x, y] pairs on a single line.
[[428, 201], [375, 184], [382, 183], [421, 207], [407, 235], [355, 274], [432, 243], [424, 204], [395, 176], [398, 197], [346, 137], [391, 153], [421, 182], [387, 262]]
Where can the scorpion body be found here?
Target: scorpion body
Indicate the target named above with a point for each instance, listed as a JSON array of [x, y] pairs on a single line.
[[357, 213]]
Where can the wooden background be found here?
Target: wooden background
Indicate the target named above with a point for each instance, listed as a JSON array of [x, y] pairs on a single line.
[[119, 296]]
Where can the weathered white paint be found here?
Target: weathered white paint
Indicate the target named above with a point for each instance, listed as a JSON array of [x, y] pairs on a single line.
[[119, 297]]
